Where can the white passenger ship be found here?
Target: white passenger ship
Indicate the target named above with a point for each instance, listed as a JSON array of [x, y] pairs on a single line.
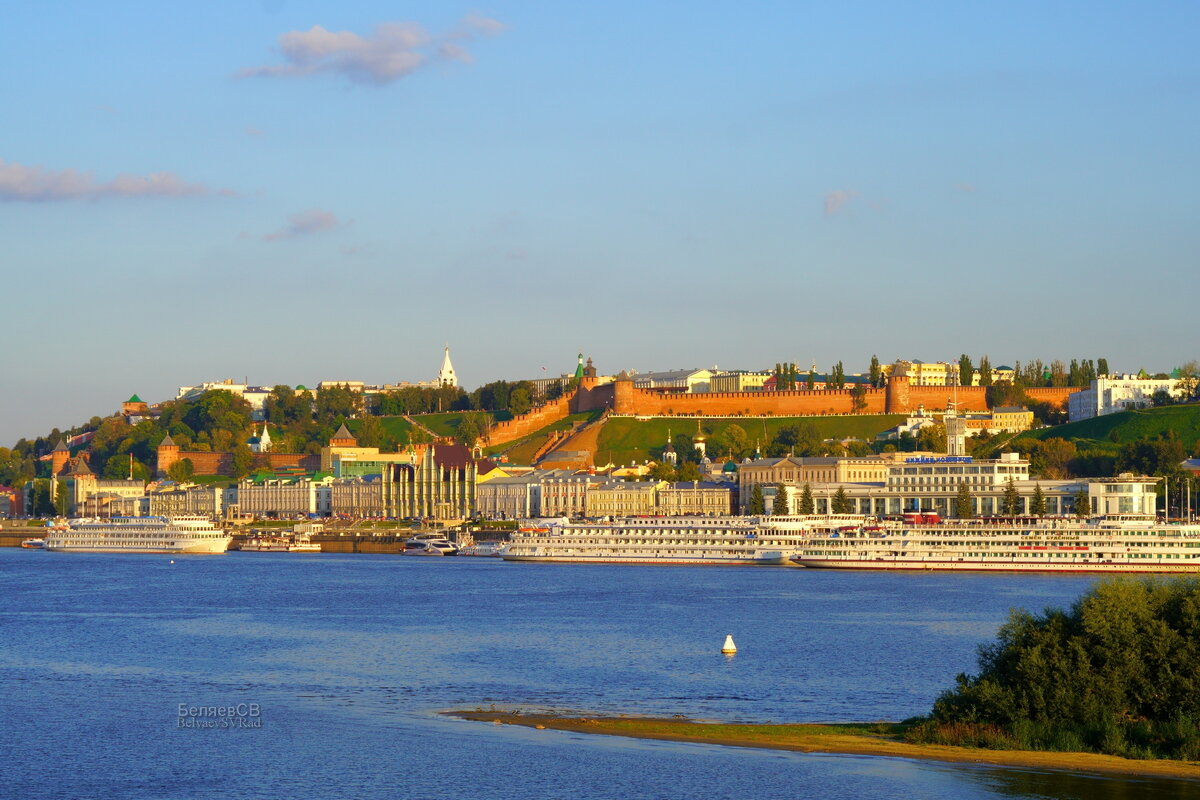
[[183, 534], [667, 540], [1106, 544]]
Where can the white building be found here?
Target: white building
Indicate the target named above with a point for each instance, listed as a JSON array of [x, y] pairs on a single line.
[[256, 396], [692, 381], [1113, 394]]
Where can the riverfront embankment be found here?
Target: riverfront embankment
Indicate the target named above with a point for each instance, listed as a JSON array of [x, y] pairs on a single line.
[[866, 739]]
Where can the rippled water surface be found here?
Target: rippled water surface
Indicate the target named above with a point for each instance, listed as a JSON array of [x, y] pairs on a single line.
[[350, 657]]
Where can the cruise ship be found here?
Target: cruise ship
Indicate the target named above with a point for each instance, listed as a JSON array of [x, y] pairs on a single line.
[[667, 540], [1104, 544], [183, 534]]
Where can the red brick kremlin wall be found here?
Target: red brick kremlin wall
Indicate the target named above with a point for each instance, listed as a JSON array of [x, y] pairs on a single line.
[[525, 424], [210, 463], [899, 397]]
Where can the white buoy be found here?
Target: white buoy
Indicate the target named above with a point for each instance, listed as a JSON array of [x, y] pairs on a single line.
[[172, 561], [729, 648]]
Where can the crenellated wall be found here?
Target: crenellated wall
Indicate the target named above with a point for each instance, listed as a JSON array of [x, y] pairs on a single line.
[[525, 424], [899, 397]]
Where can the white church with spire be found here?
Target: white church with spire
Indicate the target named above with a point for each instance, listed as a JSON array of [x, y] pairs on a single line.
[[446, 376]]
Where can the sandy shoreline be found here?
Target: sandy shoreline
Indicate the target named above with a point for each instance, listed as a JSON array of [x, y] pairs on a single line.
[[869, 739]]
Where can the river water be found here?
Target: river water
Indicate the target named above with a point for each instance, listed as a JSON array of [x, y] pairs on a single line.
[[334, 668]]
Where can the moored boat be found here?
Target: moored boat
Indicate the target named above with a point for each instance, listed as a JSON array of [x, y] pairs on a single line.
[[35, 543], [661, 540], [181, 534], [429, 544], [1106, 544]]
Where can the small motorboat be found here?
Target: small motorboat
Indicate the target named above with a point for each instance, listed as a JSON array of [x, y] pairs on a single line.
[[34, 544], [429, 544]]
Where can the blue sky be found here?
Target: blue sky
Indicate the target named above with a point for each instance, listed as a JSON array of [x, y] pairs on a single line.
[[294, 192]]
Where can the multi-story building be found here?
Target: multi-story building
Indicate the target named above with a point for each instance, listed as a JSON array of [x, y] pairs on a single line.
[[1120, 393], [1002, 419], [284, 497], [688, 381], [360, 496], [514, 497], [738, 381], [621, 499], [174, 499], [695, 498], [796, 471]]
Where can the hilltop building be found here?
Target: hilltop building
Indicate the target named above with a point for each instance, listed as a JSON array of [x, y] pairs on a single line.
[[1109, 395]]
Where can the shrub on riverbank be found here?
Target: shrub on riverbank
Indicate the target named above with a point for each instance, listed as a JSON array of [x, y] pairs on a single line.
[[1118, 673]]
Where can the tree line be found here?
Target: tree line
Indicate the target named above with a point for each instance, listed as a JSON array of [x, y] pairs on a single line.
[[1117, 673]]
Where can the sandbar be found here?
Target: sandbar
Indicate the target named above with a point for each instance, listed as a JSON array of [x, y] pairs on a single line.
[[867, 739]]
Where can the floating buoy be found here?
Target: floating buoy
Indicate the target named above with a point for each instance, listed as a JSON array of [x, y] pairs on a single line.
[[172, 561], [729, 648]]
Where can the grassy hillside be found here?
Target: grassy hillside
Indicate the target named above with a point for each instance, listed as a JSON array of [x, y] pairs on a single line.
[[1109, 432], [522, 450], [397, 427], [625, 440]]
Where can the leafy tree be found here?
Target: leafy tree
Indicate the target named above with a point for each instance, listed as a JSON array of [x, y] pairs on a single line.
[[807, 504], [876, 373], [964, 503], [758, 505], [837, 377], [42, 504], [812, 378], [1189, 380], [241, 462], [337, 402], [1012, 499], [60, 499], [932, 438], [182, 470], [1038, 503], [780, 505], [662, 471], [733, 441], [1159, 456], [1102, 366], [801, 438], [966, 371], [688, 471], [1115, 673], [370, 432], [1083, 503], [467, 432], [985, 371], [858, 397], [519, 402], [1050, 458], [840, 503]]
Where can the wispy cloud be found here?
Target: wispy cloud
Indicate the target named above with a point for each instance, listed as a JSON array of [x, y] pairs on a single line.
[[304, 223], [40, 185], [836, 200], [390, 52]]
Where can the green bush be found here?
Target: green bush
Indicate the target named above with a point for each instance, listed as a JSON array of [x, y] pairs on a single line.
[[1118, 673]]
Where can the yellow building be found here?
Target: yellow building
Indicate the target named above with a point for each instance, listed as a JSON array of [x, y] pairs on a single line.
[[621, 499], [1002, 419], [738, 381]]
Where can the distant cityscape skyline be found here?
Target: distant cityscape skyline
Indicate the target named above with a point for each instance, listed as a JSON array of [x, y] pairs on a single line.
[[291, 191], [88, 405]]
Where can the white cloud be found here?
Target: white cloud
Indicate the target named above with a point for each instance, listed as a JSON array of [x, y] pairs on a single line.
[[390, 52], [835, 200], [305, 222], [40, 185]]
